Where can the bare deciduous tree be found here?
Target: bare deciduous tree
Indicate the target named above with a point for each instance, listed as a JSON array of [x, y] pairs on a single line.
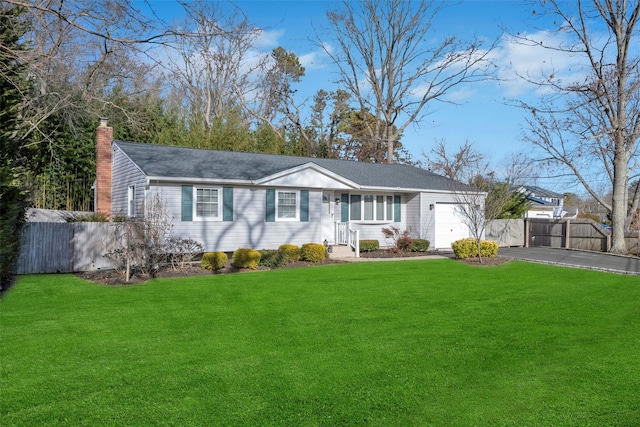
[[386, 62], [479, 196], [592, 124], [209, 62]]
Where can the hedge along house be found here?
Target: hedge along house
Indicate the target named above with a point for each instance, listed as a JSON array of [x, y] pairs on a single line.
[[228, 200]]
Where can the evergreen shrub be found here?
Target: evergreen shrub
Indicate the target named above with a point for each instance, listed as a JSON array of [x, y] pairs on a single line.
[[313, 252], [291, 252], [369, 245], [213, 260], [488, 248], [272, 258], [245, 258], [467, 248], [419, 245]]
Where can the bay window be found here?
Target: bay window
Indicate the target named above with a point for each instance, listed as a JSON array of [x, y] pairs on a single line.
[[371, 207]]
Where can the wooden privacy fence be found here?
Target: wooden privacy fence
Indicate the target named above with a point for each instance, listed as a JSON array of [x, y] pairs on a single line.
[[562, 233], [582, 234], [51, 247]]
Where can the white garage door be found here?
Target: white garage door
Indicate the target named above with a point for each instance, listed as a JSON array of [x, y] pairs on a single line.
[[449, 226]]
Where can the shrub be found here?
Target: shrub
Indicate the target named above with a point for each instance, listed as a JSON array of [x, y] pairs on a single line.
[[404, 243], [401, 239], [291, 252], [313, 252], [272, 258], [467, 248], [419, 245], [213, 260], [245, 258], [488, 248], [369, 245], [182, 251]]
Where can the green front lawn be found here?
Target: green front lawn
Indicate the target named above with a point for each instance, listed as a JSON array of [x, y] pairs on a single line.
[[432, 342]]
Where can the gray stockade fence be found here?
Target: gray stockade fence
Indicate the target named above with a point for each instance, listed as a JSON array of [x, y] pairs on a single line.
[[60, 247]]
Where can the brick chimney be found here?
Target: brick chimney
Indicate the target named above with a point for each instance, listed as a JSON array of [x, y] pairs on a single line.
[[104, 137]]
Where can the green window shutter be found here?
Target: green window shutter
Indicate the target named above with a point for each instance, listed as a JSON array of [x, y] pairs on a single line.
[[304, 205], [344, 207], [187, 202], [396, 208], [227, 204], [271, 205]]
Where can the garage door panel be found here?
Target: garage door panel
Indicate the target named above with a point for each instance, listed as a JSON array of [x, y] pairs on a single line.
[[449, 226]]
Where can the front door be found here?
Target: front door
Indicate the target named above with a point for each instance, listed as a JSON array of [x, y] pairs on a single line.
[[327, 218]]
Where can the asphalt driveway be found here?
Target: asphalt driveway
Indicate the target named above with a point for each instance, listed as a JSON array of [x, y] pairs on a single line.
[[574, 258]]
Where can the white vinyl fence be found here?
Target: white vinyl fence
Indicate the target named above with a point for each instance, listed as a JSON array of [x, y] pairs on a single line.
[[53, 247]]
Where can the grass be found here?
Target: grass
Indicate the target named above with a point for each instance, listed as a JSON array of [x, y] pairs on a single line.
[[431, 342]]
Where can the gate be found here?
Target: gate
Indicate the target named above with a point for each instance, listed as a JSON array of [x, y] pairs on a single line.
[[582, 234]]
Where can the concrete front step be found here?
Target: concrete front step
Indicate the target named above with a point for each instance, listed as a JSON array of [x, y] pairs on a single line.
[[341, 251]]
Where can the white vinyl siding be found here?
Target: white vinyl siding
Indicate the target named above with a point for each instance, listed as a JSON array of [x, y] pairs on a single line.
[[125, 174], [248, 228]]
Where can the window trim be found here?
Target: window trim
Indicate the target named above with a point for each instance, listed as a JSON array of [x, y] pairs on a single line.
[[219, 213]]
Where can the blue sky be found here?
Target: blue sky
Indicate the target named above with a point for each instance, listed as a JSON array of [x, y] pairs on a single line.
[[483, 115]]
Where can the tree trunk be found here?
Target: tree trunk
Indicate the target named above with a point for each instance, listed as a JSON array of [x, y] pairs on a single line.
[[619, 203]]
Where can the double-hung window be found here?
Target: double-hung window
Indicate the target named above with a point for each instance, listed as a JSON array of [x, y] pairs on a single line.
[[207, 203], [287, 206]]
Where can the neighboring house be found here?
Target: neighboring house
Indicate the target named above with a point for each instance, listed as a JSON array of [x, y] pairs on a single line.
[[545, 203], [228, 200]]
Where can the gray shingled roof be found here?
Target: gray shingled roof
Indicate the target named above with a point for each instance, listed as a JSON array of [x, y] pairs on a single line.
[[179, 162], [541, 192]]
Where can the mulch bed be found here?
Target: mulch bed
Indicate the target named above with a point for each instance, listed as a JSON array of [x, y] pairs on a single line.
[[115, 278], [390, 253]]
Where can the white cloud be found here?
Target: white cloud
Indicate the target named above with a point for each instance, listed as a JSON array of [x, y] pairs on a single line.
[[516, 59], [268, 39], [311, 60]]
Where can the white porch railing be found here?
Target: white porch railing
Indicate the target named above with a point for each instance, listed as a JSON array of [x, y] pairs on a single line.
[[346, 236]]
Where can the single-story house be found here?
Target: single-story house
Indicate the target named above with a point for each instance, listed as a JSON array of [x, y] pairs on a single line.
[[229, 200], [545, 203]]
